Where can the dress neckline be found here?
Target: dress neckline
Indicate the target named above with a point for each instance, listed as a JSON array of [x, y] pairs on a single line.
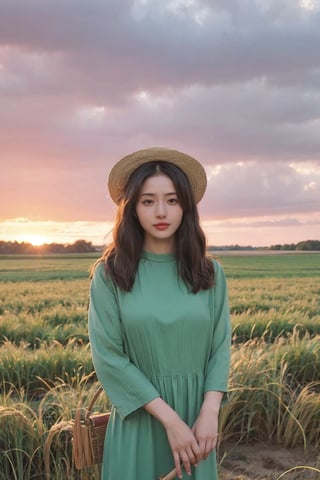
[[159, 257]]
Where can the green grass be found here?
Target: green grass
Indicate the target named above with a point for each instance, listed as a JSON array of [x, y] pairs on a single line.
[[244, 265], [27, 369], [271, 265], [46, 366], [274, 307], [16, 268]]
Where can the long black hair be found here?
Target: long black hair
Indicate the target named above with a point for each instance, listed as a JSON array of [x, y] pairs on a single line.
[[122, 256]]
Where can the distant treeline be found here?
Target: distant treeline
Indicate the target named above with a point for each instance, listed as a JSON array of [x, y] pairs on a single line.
[[309, 245], [83, 246], [23, 248]]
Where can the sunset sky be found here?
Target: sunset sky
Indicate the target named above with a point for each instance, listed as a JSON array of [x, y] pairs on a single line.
[[235, 83]]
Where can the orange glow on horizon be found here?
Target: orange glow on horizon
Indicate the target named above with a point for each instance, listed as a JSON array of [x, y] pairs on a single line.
[[35, 240], [256, 231]]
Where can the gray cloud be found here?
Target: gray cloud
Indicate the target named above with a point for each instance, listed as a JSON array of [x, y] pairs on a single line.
[[82, 83], [246, 189], [126, 46]]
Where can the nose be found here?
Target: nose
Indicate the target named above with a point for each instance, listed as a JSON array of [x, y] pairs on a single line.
[[161, 211]]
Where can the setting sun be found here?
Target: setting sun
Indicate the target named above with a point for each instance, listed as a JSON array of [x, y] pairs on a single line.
[[35, 240]]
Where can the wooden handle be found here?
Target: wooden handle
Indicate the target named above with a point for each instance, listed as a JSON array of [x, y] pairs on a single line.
[[170, 476], [93, 401]]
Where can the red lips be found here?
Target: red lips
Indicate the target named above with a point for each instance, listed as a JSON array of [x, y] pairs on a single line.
[[161, 226]]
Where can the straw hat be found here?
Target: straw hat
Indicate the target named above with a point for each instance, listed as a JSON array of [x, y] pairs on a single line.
[[122, 170]]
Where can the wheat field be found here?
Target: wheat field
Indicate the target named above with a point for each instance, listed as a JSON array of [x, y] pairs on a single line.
[[46, 369]]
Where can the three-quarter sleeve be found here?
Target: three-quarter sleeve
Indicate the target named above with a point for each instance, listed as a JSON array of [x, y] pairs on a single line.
[[217, 374], [126, 386]]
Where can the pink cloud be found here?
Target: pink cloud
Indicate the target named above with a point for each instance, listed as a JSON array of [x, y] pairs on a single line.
[[81, 85]]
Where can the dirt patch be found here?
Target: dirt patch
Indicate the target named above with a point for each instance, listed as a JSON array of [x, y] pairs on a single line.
[[268, 462]]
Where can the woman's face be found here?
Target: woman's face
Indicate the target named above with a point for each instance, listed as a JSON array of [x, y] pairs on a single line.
[[159, 213]]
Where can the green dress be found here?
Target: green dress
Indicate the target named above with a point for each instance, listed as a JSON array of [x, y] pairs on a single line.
[[157, 340]]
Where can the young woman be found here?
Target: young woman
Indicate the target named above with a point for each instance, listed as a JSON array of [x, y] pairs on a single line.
[[159, 323]]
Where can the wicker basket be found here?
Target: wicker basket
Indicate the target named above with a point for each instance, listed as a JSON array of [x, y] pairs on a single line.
[[88, 435]]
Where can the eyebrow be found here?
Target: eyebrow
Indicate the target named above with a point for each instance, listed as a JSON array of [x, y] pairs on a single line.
[[154, 194]]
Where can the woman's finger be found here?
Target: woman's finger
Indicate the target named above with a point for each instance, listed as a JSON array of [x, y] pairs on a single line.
[[176, 458], [191, 455], [209, 447], [196, 452], [186, 462], [202, 445]]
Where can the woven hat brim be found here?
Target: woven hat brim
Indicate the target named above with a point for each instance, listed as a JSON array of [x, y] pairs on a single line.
[[121, 171]]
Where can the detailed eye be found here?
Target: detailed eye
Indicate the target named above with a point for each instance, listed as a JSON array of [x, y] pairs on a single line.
[[173, 201], [147, 202]]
